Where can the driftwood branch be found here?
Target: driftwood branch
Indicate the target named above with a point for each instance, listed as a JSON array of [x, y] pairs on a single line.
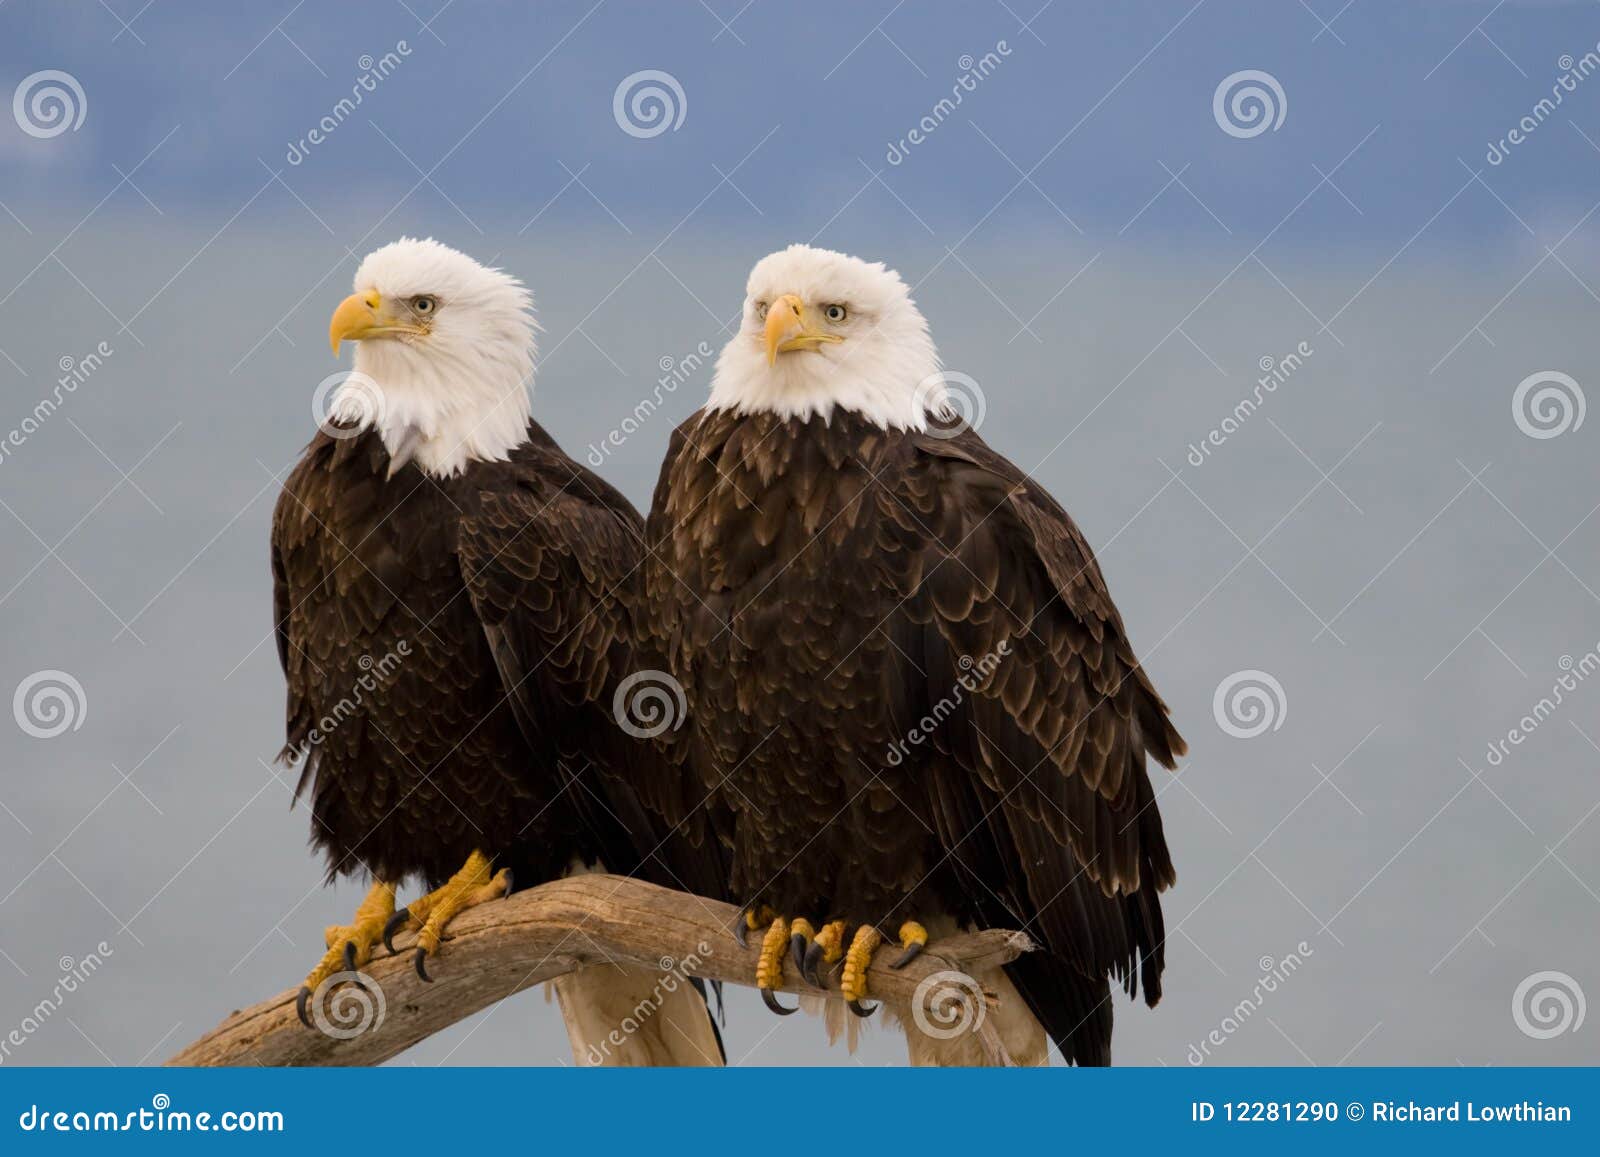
[[534, 936]]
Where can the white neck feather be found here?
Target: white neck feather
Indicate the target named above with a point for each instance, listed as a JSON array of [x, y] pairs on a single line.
[[441, 405], [892, 383]]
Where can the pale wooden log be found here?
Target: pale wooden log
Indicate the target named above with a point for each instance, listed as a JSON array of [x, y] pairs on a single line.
[[533, 936]]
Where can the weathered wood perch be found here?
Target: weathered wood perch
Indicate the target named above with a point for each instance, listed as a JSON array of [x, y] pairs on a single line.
[[497, 949]]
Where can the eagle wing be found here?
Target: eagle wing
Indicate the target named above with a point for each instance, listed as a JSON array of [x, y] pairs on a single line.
[[550, 565], [1042, 797]]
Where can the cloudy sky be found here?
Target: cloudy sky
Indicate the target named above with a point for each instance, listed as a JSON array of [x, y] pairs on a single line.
[[1398, 548]]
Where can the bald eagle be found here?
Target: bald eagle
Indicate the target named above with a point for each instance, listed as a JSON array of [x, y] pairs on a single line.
[[908, 687], [450, 599]]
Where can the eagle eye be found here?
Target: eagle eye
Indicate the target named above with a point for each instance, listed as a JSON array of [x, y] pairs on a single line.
[[835, 313], [424, 304], [761, 310]]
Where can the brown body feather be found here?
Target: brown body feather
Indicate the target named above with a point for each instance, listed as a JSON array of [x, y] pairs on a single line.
[[910, 693], [451, 647]]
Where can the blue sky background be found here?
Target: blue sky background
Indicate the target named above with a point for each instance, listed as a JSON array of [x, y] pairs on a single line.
[[496, 98]]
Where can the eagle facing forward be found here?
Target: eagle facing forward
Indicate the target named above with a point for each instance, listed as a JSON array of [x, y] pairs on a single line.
[[449, 601], [909, 691]]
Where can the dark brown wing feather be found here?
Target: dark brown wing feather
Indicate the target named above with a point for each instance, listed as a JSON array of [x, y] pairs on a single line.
[[1045, 788]]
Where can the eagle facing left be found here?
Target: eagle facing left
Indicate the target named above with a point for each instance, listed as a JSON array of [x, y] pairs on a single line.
[[452, 620]]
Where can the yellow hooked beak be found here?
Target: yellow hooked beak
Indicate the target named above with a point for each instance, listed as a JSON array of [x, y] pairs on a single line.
[[787, 329], [365, 315]]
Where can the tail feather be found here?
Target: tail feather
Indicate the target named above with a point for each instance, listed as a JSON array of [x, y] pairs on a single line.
[[623, 1015]]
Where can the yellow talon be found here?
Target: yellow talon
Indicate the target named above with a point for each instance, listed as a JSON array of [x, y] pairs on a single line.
[[832, 940], [769, 968], [349, 945], [769, 965], [476, 883], [853, 983], [913, 938]]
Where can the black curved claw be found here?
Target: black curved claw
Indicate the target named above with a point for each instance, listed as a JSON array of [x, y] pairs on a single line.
[[511, 882], [741, 928], [420, 959], [808, 967], [300, 1006], [349, 955], [860, 1009], [911, 953], [771, 1001], [797, 951], [396, 922]]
